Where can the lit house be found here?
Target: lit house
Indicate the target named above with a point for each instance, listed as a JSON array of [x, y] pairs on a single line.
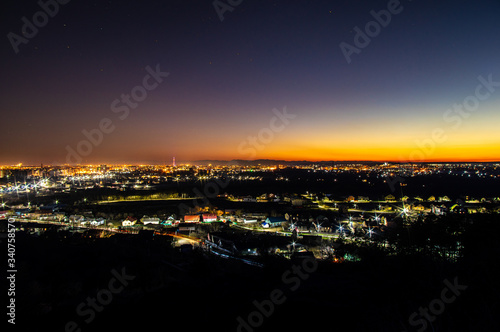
[[390, 198], [249, 220], [191, 218], [98, 222], [150, 220], [273, 222], [130, 221], [4, 214], [439, 210], [350, 199], [419, 208], [76, 218], [207, 217], [297, 201]]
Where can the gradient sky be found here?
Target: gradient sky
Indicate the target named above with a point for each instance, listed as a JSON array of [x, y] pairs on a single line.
[[227, 77]]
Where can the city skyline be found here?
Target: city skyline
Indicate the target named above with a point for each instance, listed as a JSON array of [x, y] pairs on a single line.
[[380, 81], [282, 165]]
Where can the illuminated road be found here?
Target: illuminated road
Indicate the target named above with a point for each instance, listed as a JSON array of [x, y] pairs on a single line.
[[182, 236], [114, 230]]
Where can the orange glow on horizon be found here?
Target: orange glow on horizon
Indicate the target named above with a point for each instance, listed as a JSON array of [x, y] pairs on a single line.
[[461, 153]]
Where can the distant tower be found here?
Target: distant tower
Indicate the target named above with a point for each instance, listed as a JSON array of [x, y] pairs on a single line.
[[173, 162]]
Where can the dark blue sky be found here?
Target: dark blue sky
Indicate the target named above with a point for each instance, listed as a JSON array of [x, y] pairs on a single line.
[[227, 77]]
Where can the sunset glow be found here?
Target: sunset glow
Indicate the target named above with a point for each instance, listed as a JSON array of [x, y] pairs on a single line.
[[201, 96]]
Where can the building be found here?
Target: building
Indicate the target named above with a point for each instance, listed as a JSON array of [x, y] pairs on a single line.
[[439, 210], [98, 222], [129, 221], [207, 217], [273, 222], [419, 208], [22, 212], [350, 199], [192, 218], [390, 198], [249, 199], [444, 199], [263, 198], [170, 221], [76, 218], [186, 228], [255, 215], [327, 199], [150, 220], [297, 201]]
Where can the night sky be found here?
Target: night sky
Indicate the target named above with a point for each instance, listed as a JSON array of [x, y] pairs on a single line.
[[393, 102]]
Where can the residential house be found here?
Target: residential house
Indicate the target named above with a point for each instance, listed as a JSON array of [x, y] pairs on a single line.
[[444, 199], [297, 201], [273, 222], [390, 198], [186, 227], [150, 220], [208, 217], [326, 199], [98, 222], [350, 199], [77, 219], [263, 198], [439, 210], [192, 218], [170, 221], [129, 221], [418, 207]]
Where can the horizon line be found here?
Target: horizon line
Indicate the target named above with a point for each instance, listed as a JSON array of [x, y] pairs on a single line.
[[215, 161]]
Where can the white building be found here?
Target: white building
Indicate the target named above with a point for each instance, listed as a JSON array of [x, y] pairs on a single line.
[[150, 220], [98, 222], [77, 218], [129, 222]]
